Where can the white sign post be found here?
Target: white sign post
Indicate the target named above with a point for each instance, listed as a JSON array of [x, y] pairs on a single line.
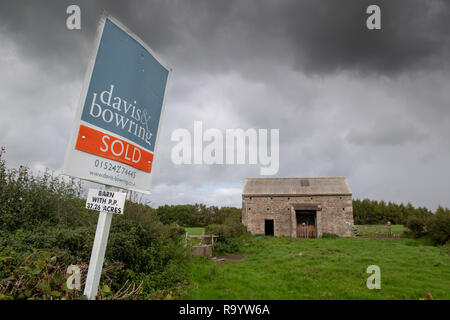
[[115, 132], [107, 202], [98, 252], [97, 255]]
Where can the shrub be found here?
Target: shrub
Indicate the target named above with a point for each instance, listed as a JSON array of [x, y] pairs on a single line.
[[43, 223], [438, 226], [326, 235], [150, 252], [228, 245], [38, 275], [42, 275], [228, 233], [417, 226], [29, 200], [224, 231]]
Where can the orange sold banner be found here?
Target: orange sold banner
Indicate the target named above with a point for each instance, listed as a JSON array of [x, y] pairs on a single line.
[[104, 145]]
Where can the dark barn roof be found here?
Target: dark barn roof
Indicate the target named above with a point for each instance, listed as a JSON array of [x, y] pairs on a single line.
[[296, 186]]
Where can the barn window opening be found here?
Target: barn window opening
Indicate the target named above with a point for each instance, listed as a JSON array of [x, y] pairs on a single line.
[[304, 183], [249, 209]]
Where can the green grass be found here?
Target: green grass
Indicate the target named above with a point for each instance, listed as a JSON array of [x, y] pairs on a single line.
[[379, 230], [285, 268], [195, 230]]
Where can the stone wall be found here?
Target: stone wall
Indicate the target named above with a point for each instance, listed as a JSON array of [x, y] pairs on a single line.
[[204, 250], [335, 216]]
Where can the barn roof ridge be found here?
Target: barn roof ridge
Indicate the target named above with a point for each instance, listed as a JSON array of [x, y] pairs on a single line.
[[294, 178], [296, 186]]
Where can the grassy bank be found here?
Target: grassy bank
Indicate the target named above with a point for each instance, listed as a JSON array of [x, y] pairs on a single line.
[[284, 268]]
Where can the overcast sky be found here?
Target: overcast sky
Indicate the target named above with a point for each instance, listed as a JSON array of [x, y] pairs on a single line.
[[372, 106]]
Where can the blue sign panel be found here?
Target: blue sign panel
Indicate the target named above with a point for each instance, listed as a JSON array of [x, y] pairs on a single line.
[[126, 90]]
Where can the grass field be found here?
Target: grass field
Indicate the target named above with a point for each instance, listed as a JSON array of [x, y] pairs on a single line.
[[195, 230], [379, 230], [285, 268]]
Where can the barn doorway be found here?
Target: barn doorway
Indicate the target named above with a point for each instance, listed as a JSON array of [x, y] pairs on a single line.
[[268, 227], [306, 224]]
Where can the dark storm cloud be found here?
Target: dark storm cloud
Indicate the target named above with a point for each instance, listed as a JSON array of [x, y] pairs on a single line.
[[332, 35], [316, 36], [39, 30]]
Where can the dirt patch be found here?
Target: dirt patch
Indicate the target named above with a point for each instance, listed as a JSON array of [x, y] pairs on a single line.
[[229, 258]]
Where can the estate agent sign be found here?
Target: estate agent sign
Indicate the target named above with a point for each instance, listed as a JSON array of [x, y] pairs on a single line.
[[116, 126], [115, 132]]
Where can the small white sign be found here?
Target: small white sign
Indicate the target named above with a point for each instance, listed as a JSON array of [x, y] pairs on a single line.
[[105, 200]]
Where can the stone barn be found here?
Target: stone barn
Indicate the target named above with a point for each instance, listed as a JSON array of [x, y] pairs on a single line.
[[297, 207]]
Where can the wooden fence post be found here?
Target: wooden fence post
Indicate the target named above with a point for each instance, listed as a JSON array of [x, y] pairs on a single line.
[[389, 229]]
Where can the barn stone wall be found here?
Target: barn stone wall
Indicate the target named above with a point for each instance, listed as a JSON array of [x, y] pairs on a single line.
[[335, 217]]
